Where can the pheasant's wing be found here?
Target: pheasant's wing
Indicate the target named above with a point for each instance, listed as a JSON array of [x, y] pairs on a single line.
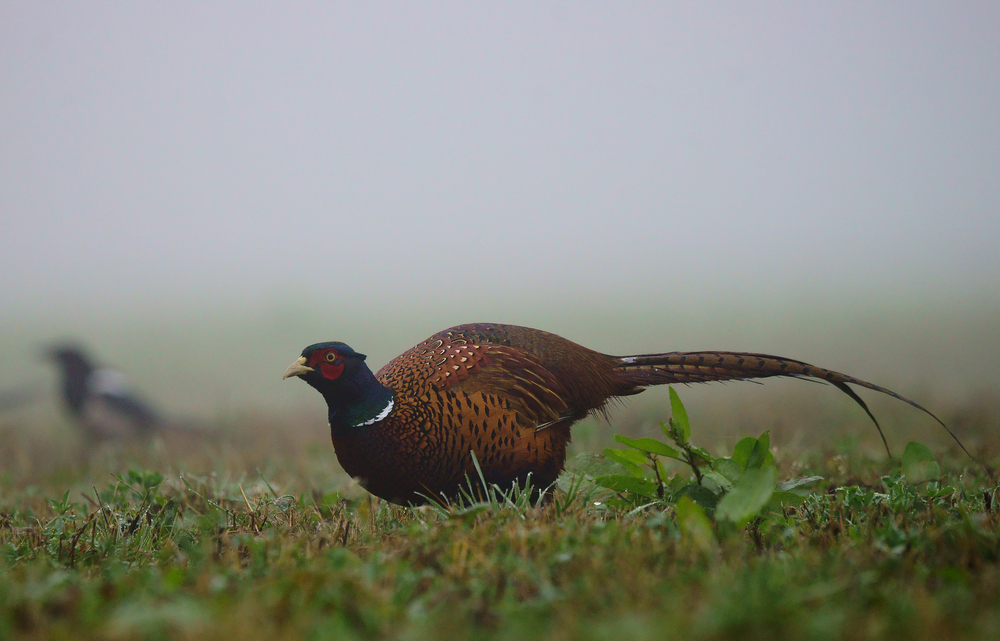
[[473, 362]]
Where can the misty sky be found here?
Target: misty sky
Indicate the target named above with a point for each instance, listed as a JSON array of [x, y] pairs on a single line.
[[451, 151]]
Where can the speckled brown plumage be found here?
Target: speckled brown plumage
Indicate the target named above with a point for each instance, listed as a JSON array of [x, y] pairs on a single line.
[[507, 393]]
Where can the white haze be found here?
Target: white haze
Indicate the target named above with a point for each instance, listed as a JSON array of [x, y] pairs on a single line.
[[175, 173]]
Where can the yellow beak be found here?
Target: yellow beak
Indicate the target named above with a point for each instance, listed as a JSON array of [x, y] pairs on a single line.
[[298, 368]]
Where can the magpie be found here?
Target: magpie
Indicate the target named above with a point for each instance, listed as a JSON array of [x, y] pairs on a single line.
[[99, 400]]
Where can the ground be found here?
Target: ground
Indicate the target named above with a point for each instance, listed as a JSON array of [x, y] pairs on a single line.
[[251, 531]]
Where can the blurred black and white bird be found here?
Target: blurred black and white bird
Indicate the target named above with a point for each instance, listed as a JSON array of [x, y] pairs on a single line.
[[99, 399]]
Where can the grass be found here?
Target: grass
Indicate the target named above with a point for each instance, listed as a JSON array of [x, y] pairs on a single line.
[[254, 533]]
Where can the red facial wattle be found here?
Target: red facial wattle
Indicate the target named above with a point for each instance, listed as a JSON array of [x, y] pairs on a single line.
[[328, 362]]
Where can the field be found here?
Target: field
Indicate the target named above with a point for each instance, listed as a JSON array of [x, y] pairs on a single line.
[[250, 531]]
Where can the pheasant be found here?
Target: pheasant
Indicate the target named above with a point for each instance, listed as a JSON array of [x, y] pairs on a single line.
[[98, 399], [504, 393]]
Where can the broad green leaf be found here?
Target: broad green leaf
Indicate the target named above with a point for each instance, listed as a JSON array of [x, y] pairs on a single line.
[[791, 484], [623, 483], [677, 481], [694, 525], [704, 458], [680, 417], [941, 491], [700, 495], [741, 453], [728, 468], [760, 455], [662, 471], [919, 464], [782, 499], [650, 445], [629, 459], [719, 480], [749, 495], [626, 456]]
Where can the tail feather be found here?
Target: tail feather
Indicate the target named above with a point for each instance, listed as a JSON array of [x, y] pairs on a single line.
[[703, 367]]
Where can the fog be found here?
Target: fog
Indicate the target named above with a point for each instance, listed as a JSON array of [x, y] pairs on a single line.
[[199, 191]]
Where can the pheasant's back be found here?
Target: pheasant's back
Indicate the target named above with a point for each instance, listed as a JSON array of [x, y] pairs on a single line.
[[540, 370]]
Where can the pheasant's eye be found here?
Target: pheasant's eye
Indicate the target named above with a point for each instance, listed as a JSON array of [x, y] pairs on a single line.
[[331, 356]]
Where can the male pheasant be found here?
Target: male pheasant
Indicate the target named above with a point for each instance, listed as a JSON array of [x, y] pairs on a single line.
[[508, 394]]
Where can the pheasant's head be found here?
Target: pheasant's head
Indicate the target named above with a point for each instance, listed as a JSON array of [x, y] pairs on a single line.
[[327, 366], [353, 395]]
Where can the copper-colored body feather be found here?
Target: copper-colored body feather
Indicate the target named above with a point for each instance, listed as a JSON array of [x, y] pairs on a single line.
[[509, 395]]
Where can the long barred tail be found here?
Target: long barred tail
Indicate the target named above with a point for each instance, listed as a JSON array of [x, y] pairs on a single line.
[[704, 367]]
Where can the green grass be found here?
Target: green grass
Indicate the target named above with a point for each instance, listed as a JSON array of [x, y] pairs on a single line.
[[254, 533]]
